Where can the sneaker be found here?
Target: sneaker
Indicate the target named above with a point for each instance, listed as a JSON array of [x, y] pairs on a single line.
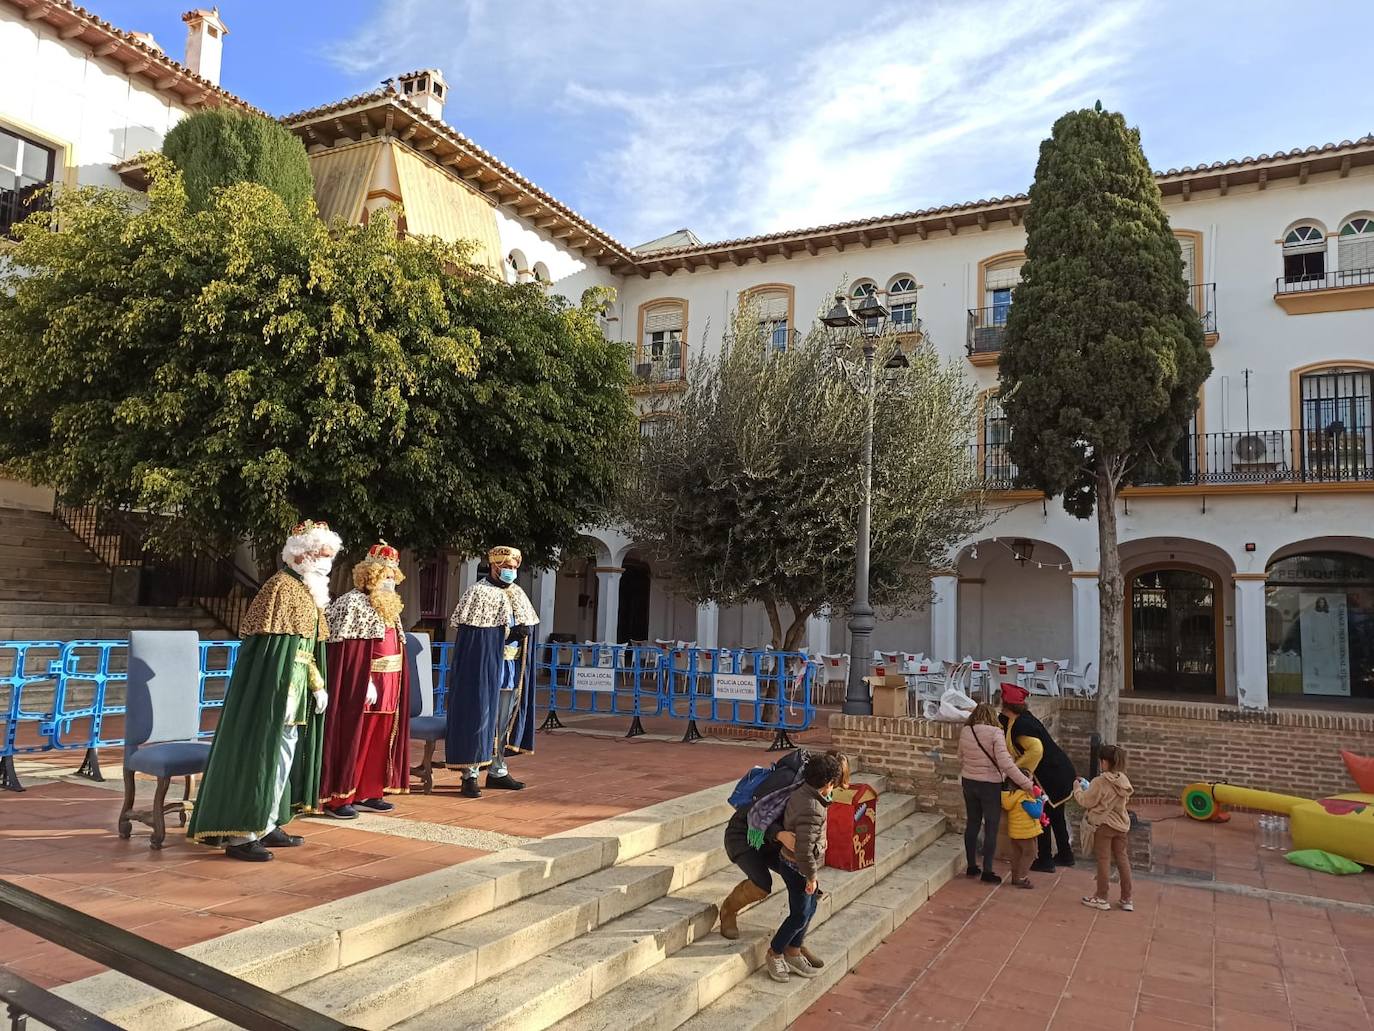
[[990, 878], [777, 968], [1024, 882], [376, 805], [815, 961], [800, 966], [470, 788], [343, 812], [1093, 902], [1128, 905]]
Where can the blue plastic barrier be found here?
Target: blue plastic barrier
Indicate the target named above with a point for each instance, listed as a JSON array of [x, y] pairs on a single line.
[[443, 655], [756, 688], [217, 660], [613, 679], [84, 679], [25, 668]]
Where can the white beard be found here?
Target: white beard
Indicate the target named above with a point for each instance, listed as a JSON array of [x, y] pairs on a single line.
[[316, 576]]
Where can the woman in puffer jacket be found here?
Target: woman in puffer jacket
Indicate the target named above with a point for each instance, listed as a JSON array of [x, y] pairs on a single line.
[[984, 762]]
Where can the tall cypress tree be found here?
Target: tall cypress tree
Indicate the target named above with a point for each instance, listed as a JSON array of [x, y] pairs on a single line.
[[219, 146], [1104, 353]]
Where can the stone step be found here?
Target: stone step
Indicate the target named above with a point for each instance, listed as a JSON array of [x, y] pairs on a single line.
[[81, 594], [68, 548], [760, 1004], [573, 974], [94, 609], [286, 954], [691, 979]]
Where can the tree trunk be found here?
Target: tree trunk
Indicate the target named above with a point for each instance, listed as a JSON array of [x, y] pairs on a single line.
[[769, 711], [1111, 597], [797, 630]]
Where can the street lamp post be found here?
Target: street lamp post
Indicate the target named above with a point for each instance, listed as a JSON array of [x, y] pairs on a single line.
[[870, 322]]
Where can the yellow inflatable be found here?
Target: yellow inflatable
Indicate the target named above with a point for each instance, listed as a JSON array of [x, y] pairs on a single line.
[[1342, 825]]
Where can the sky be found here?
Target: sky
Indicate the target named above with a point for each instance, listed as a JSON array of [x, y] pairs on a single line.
[[738, 117]]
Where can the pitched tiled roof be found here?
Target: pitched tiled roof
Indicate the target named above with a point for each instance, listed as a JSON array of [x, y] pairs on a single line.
[[78, 25]]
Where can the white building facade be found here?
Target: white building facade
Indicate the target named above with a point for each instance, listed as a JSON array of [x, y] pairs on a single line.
[[1252, 580]]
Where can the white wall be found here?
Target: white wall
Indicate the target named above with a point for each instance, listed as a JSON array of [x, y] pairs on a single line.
[[570, 271], [55, 90]]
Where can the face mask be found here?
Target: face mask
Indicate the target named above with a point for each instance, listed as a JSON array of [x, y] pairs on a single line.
[[508, 576], [388, 585], [829, 796]]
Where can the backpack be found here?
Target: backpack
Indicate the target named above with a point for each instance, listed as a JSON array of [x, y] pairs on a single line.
[[743, 794]]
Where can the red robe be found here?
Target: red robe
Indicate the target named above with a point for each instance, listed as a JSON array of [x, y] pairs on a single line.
[[366, 748]]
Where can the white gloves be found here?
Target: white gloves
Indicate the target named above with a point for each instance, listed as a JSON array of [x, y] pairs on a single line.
[[1083, 783], [371, 693], [321, 700]]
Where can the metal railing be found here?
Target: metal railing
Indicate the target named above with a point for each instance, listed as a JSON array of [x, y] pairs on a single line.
[[1308, 282], [195, 577], [667, 366], [1332, 455], [987, 327], [236, 1001]]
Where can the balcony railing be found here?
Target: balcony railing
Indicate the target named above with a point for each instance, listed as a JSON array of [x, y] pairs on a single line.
[[988, 326], [666, 366], [1331, 455], [1325, 281]]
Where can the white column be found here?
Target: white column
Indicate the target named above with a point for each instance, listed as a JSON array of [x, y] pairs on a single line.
[[608, 603], [469, 574], [1252, 663], [944, 618], [708, 625], [818, 632], [971, 616], [548, 599], [1087, 620]]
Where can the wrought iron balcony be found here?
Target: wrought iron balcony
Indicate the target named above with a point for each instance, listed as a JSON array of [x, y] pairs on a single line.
[[1204, 298], [1334, 454], [1309, 282], [986, 328], [665, 367]]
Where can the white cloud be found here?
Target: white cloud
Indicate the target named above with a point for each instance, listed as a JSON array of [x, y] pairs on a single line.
[[736, 119]]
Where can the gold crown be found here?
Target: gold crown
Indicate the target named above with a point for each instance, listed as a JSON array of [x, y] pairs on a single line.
[[503, 553], [383, 554], [305, 527]]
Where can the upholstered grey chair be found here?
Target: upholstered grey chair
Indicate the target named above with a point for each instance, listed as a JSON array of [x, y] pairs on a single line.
[[161, 724], [424, 725]]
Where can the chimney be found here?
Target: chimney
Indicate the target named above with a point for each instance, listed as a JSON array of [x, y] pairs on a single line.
[[426, 89], [204, 42]]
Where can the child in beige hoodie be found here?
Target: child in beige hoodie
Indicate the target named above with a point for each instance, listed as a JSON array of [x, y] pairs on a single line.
[[1107, 823]]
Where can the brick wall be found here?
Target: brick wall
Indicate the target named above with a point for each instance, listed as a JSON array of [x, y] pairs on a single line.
[[1170, 745]]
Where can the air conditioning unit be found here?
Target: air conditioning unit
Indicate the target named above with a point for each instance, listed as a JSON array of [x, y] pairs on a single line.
[[1258, 449]]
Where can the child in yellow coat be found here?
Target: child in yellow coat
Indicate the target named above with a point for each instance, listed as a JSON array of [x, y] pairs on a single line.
[[1024, 813]]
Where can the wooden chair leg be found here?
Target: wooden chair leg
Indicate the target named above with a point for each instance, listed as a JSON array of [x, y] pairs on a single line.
[[159, 816], [427, 768], [126, 826], [186, 799]]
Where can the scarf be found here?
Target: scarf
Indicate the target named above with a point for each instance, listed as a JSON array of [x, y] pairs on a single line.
[[767, 809]]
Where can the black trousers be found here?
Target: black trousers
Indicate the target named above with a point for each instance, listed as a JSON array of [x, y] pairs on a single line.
[[983, 807]]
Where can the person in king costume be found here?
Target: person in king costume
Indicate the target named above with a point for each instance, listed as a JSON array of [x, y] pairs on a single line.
[[264, 763], [491, 678], [367, 731]]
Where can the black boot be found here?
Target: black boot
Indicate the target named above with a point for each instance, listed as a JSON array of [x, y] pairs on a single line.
[[249, 852], [470, 788], [505, 781], [278, 838]]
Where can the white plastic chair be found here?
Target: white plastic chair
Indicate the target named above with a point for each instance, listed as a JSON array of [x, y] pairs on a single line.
[[1080, 684], [834, 677], [1045, 679], [910, 660]]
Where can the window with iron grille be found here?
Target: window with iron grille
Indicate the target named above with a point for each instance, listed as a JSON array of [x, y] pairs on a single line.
[[773, 315], [26, 169], [662, 346], [1337, 430], [901, 300], [997, 463], [1304, 254]]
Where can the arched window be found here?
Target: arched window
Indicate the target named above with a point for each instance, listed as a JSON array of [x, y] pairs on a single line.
[[662, 355], [1356, 251], [1304, 254], [541, 273], [1319, 611], [901, 299], [863, 288], [773, 305], [520, 265]]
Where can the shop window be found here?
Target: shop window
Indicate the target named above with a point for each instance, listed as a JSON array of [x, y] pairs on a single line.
[[1319, 623]]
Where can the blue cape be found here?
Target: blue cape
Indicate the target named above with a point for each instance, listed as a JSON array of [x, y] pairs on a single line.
[[474, 686]]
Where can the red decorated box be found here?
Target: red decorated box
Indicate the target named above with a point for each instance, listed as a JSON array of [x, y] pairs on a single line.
[[851, 828]]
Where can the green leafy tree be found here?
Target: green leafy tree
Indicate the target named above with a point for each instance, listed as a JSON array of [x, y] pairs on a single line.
[[239, 367], [1104, 353], [751, 487], [219, 146]]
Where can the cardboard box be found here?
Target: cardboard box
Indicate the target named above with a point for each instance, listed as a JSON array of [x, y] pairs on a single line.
[[889, 695], [851, 828]]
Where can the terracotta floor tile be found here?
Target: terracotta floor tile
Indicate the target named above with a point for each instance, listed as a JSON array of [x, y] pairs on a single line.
[[1074, 1011], [932, 1006], [990, 1017], [1239, 1020]]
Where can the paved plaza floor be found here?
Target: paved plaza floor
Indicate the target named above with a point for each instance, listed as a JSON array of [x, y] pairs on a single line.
[[1224, 934]]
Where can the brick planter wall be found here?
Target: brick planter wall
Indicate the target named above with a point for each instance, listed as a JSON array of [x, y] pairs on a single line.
[[1170, 744]]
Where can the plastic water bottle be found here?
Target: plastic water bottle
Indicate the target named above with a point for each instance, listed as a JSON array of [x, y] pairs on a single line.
[[1266, 831], [1285, 842]]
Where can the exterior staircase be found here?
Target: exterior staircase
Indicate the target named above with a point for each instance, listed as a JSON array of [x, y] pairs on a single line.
[[609, 926], [53, 588]]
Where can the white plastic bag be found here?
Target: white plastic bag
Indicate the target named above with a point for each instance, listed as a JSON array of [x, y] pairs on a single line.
[[954, 706]]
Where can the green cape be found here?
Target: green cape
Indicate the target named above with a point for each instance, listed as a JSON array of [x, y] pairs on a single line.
[[235, 794]]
